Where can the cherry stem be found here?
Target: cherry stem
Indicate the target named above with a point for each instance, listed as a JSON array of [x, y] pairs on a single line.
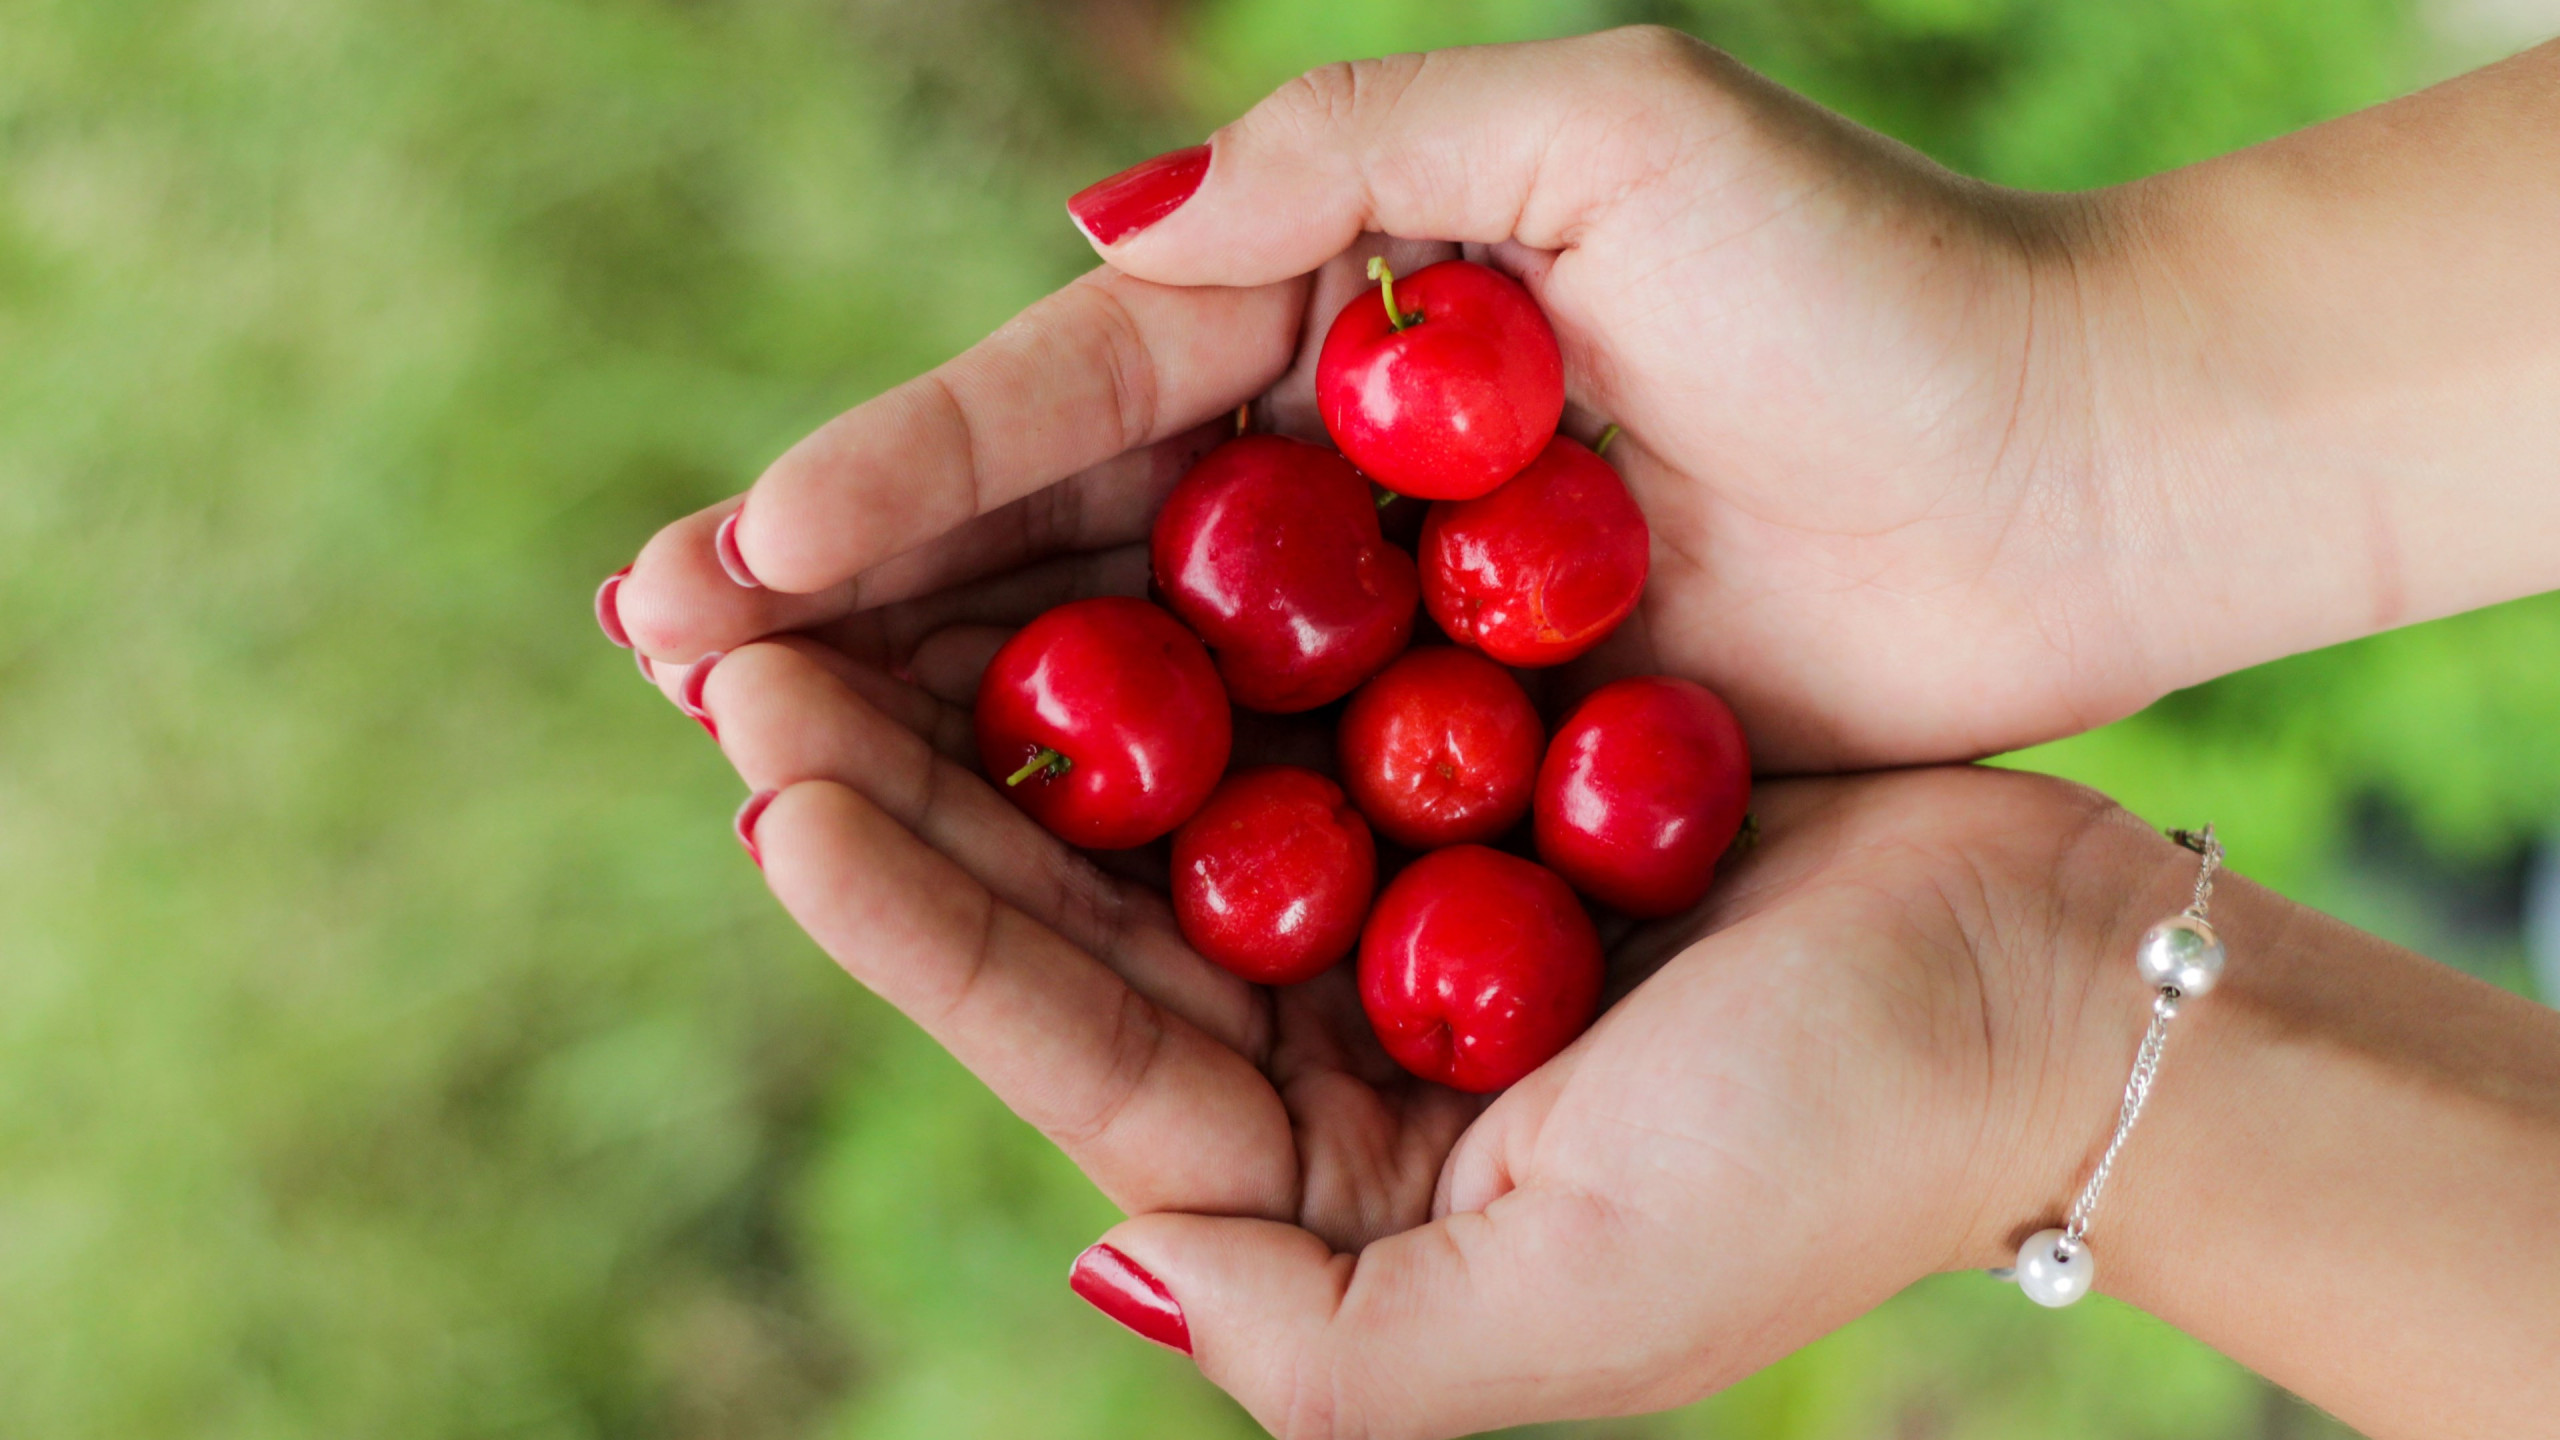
[[1047, 759], [1386, 279], [1386, 497], [1244, 417], [1601, 445]]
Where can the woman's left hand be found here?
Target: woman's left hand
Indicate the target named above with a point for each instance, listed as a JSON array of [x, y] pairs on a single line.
[[1858, 1064]]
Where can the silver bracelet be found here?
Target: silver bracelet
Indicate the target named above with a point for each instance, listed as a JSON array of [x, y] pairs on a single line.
[[2181, 958]]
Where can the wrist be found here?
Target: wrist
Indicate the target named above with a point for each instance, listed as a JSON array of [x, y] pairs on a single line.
[[2349, 1166], [2074, 1009]]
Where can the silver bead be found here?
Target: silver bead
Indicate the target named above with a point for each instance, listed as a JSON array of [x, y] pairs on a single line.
[[2056, 1270], [2180, 953]]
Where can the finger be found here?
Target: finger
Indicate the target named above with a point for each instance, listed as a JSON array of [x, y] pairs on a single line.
[[887, 637], [678, 603], [1106, 365], [1496, 143], [1517, 1313], [785, 719], [948, 662], [1155, 1111]]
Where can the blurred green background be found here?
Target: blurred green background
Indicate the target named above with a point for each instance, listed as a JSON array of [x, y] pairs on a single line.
[[393, 1042]]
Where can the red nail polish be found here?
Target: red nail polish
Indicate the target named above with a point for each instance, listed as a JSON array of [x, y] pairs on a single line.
[[689, 691], [1122, 1289], [748, 815], [1139, 196], [609, 612], [647, 671], [724, 543]]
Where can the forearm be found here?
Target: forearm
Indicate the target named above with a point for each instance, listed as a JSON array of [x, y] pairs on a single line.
[[2330, 368], [2349, 1175]]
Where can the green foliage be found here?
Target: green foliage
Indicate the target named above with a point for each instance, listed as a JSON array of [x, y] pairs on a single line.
[[397, 1045]]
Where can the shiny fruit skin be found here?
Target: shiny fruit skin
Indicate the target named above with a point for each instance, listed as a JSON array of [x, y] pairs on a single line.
[[1129, 698], [1455, 403], [1441, 748], [1642, 791], [1269, 550], [1542, 569], [1273, 876], [1476, 967]]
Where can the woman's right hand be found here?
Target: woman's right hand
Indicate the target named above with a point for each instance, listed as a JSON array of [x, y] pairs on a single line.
[[1852, 386]]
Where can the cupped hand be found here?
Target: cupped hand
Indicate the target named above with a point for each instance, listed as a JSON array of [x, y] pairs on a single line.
[[1872, 1055], [1854, 390]]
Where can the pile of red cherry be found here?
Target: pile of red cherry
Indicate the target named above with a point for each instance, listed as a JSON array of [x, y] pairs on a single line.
[[1108, 721]]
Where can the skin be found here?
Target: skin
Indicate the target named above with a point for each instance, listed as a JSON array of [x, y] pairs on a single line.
[[1963, 469]]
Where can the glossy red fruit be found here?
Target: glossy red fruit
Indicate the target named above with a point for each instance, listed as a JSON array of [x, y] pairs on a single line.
[[1642, 792], [1272, 877], [1542, 569], [1441, 748], [1452, 395], [1477, 967], [1104, 719], [1270, 550]]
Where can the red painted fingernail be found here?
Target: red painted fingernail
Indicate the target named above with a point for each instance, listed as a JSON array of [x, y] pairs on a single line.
[[608, 612], [647, 672], [724, 543], [748, 815], [1122, 1289], [1139, 196], [689, 691]]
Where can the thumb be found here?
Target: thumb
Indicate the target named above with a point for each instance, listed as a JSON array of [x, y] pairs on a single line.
[[1468, 1323], [1487, 144]]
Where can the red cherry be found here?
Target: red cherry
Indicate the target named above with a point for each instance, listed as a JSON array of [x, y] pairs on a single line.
[[1103, 719], [1477, 967], [1272, 878], [1270, 549], [1441, 748], [1542, 569], [1451, 394], [1642, 792]]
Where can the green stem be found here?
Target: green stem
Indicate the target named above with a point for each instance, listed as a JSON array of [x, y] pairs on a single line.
[[1386, 497], [1048, 760], [1386, 279], [1601, 445]]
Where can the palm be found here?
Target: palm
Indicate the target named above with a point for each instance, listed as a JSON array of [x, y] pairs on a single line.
[[1751, 1146]]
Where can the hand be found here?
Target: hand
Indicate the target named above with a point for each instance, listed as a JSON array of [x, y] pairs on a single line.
[[1860, 1064], [1879, 528]]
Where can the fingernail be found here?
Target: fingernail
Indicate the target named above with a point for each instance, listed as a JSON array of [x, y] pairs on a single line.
[[1122, 1289], [609, 611], [724, 543], [647, 672], [689, 691], [748, 815], [1139, 196]]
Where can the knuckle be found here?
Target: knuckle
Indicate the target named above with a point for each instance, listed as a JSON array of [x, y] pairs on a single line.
[[1125, 363], [1344, 94], [1320, 99]]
